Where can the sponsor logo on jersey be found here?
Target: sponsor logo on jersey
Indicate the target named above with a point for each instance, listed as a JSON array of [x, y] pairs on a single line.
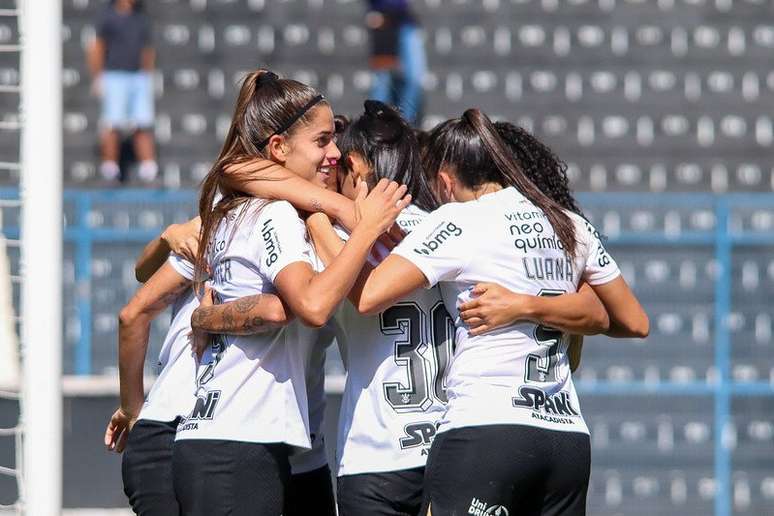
[[204, 409], [271, 242], [546, 407], [443, 232], [408, 224], [205, 405], [481, 508], [418, 434]]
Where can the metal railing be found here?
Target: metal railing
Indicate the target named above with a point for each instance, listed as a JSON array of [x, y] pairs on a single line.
[[727, 232]]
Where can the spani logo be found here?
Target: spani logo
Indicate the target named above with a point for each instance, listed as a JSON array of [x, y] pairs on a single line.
[[497, 510]]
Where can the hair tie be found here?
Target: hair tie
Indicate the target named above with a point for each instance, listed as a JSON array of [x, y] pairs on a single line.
[[382, 122], [266, 78]]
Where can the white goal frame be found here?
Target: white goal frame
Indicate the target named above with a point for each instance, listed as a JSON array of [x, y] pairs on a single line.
[[40, 28]]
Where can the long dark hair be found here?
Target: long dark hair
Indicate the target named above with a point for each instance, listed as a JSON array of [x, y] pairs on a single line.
[[266, 105], [540, 164], [386, 141], [472, 148]]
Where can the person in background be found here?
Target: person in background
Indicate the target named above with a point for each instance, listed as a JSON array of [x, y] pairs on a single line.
[[121, 62], [398, 57]]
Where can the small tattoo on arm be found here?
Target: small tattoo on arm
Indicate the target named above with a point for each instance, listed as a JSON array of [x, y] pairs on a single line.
[[316, 205]]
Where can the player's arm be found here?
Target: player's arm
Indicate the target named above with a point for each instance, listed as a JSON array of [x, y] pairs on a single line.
[[268, 180], [378, 288], [328, 245], [181, 239], [314, 297], [244, 316], [134, 323], [494, 306], [627, 317]]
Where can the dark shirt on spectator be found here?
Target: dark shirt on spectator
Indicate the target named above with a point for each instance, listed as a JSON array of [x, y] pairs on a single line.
[[124, 36], [398, 10]]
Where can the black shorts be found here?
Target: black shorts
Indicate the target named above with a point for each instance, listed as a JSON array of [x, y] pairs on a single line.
[[392, 493], [311, 493], [217, 477], [146, 468], [508, 469]]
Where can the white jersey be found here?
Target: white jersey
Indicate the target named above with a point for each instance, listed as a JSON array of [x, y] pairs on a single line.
[[171, 392], [317, 341], [519, 374], [253, 388], [395, 393]]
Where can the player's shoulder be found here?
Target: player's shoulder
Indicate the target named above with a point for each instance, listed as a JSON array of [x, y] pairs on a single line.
[[277, 211], [410, 217]]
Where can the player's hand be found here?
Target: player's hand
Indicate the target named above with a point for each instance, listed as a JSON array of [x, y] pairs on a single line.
[[493, 307], [183, 239], [200, 339], [377, 210], [118, 429]]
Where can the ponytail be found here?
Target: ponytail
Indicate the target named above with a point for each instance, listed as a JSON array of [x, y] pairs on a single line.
[[473, 149]]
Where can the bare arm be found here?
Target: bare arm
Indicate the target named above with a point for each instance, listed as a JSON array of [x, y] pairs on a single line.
[[495, 306], [627, 317], [268, 180], [148, 59], [313, 298], [133, 332], [95, 57], [182, 239], [327, 244], [243, 316]]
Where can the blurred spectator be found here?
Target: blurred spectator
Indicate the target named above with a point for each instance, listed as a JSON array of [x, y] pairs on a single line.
[[397, 57], [121, 62]]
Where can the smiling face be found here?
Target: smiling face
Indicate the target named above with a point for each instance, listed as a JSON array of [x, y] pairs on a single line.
[[310, 150]]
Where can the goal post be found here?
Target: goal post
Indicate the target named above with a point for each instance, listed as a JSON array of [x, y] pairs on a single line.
[[41, 254]]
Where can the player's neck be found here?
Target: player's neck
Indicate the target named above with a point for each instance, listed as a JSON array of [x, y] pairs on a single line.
[[471, 194]]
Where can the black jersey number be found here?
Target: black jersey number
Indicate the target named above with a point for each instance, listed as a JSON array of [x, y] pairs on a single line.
[[425, 374], [542, 367]]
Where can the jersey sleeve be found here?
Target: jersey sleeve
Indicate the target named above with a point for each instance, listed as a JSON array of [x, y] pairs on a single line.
[[437, 246], [600, 266], [181, 266], [280, 238]]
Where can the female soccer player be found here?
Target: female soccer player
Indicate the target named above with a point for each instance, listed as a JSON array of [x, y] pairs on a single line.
[[513, 436], [145, 431], [147, 460], [231, 452], [395, 360]]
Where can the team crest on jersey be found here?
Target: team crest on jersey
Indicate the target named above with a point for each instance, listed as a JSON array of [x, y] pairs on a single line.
[[481, 508]]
